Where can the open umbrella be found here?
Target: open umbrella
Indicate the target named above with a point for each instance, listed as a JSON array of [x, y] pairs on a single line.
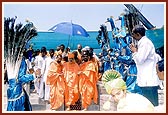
[[70, 29]]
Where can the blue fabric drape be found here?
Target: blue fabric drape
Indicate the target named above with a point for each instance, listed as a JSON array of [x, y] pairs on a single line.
[[18, 99]]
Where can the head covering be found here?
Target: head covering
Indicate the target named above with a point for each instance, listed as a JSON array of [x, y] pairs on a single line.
[[110, 75], [70, 55], [118, 83], [87, 47]]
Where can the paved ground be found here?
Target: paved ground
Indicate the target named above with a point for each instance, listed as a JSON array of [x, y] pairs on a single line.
[[41, 106]]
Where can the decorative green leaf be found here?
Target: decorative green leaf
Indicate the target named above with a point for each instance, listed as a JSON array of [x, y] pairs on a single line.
[[110, 75]]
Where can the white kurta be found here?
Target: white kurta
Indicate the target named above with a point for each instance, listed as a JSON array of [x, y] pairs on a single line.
[[47, 87], [146, 60], [40, 64]]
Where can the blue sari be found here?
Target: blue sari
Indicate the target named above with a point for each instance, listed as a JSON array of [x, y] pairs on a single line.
[[18, 100]]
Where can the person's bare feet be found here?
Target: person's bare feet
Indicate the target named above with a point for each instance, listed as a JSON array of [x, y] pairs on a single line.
[[47, 101], [84, 109], [68, 109]]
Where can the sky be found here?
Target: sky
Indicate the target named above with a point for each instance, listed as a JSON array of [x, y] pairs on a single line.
[[89, 15]]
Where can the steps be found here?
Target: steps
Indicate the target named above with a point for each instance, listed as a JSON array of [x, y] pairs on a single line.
[[39, 104], [36, 102]]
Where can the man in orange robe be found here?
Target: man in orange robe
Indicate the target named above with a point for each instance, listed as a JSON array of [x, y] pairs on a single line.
[[89, 69], [95, 60], [86, 90], [56, 81], [71, 70]]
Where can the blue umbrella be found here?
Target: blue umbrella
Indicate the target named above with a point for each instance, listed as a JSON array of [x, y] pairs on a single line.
[[70, 29]]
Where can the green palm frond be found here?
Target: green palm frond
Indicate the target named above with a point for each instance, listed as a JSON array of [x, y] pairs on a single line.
[[110, 75]]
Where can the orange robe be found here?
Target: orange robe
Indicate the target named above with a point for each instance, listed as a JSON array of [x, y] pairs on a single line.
[[71, 71], [56, 81], [96, 63], [79, 56], [86, 90], [89, 69]]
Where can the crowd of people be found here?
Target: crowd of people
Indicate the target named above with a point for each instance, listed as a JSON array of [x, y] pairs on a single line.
[[68, 76], [68, 79]]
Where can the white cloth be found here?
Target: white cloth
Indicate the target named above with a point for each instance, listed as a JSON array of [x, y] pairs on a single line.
[[40, 64], [42, 83], [47, 87], [134, 103], [48, 60], [146, 59], [29, 66]]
